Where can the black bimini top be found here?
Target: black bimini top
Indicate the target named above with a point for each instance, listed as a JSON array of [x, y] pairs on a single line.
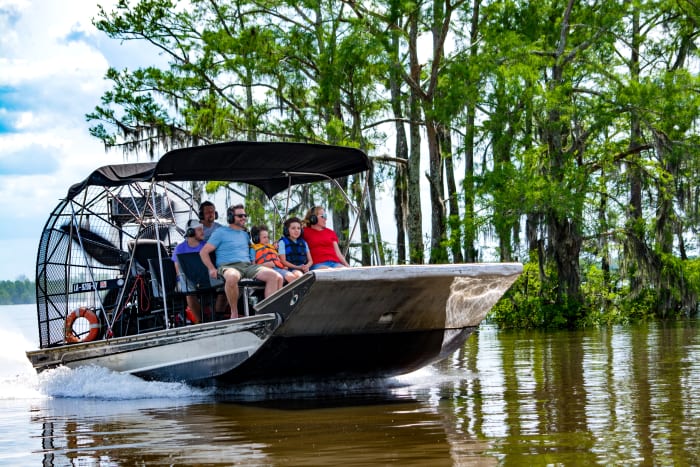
[[272, 167]]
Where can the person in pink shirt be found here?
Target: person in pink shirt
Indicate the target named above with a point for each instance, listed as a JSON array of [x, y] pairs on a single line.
[[322, 241]]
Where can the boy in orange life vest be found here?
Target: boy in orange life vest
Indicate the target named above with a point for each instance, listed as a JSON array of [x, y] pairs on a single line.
[[263, 253]]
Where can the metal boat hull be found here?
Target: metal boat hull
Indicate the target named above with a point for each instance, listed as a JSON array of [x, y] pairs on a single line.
[[360, 322], [357, 356], [192, 353], [371, 322]]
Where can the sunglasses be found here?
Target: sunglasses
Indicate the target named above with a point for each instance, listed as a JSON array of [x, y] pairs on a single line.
[[324, 216], [241, 215]]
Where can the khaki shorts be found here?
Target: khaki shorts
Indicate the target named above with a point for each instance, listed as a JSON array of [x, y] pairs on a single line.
[[246, 270]]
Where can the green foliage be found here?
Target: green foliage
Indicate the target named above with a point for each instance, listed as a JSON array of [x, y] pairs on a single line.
[[600, 300], [530, 303], [559, 123], [15, 292]]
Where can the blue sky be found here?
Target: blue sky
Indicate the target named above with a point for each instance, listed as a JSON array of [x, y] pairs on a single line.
[[52, 67]]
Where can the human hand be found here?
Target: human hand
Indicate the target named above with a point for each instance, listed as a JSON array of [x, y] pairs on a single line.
[[213, 273]]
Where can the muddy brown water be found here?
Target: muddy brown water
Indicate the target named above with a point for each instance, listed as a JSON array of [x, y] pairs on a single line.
[[617, 396]]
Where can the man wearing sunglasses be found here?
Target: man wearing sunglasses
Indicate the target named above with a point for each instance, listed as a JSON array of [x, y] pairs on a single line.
[[231, 244]]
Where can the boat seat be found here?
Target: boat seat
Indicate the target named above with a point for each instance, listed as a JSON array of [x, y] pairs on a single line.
[[144, 249], [196, 280], [167, 281], [172, 299]]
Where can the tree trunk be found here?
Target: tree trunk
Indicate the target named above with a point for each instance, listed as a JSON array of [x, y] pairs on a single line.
[[564, 228], [415, 217], [455, 233], [636, 250], [470, 252], [400, 175], [438, 253]]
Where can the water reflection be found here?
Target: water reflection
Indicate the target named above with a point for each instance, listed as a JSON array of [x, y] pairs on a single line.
[[617, 396], [290, 432], [593, 397]]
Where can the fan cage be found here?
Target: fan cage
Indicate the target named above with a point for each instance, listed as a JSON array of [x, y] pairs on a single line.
[[86, 256]]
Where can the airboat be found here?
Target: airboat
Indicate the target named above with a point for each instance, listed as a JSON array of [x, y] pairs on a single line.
[[106, 293]]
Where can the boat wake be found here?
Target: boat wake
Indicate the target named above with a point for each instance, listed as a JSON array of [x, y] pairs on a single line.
[[94, 382], [291, 394], [91, 383], [18, 380]]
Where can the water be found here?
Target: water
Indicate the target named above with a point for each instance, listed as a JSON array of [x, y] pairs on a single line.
[[619, 396]]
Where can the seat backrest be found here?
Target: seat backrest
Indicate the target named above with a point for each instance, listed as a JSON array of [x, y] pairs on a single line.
[[169, 276], [144, 249], [196, 273]]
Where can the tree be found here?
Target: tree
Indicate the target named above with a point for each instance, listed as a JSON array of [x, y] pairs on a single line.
[[577, 121]]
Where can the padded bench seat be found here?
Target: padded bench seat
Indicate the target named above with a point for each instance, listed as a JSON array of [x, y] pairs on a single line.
[[197, 280]]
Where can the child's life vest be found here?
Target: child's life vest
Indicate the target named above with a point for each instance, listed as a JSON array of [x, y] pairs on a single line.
[[295, 252], [265, 253]]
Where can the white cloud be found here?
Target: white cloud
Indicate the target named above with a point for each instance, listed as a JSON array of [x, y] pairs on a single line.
[[51, 75]]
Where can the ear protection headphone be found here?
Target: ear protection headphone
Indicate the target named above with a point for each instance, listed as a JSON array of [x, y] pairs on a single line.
[[313, 218], [231, 215], [255, 234], [190, 230], [204, 205]]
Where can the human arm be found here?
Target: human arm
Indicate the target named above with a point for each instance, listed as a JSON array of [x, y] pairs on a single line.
[[309, 263], [338, 253], [204, 253], [309, 258], [287, 264]]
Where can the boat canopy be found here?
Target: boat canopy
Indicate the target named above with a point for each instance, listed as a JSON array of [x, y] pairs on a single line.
[[272, 167], [115, 175]]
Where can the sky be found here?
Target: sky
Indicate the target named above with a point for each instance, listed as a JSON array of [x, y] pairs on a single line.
[[52, 67]]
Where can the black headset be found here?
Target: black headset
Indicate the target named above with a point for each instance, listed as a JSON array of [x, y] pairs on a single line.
[[190, 230], [204, 205], [255, 234], [313, 218], [230, 215]]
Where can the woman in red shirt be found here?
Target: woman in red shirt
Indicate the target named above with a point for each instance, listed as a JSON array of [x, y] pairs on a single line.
[[323, 242]]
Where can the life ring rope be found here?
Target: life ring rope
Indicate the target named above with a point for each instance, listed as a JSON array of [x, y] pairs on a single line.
[[83, 312]]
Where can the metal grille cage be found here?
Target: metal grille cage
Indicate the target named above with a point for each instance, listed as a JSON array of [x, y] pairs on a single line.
[[87, 254]]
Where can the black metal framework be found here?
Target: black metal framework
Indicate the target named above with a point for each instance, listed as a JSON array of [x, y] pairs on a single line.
[[87, 258]]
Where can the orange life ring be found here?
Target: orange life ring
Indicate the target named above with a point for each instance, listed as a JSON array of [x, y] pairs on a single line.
[[88, 314]]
